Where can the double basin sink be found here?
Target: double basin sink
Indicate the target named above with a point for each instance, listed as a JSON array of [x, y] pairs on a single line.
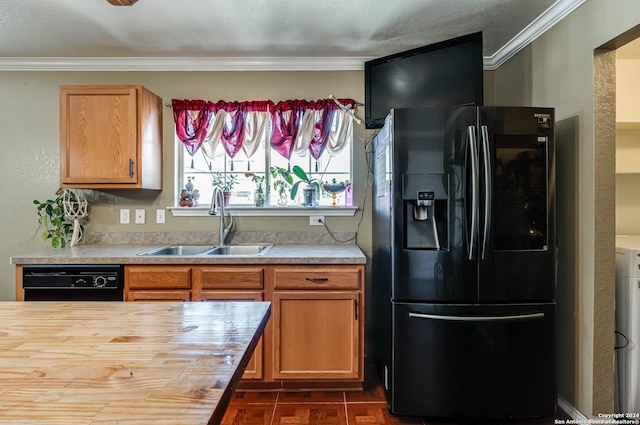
[[209, 250]]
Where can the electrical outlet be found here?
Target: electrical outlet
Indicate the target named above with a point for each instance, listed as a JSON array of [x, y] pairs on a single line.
[[124, 216], [140, 216], [316, 220], [160, 216]]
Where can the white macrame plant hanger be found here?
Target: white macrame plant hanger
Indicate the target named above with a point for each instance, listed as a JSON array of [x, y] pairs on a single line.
[[75, 208]]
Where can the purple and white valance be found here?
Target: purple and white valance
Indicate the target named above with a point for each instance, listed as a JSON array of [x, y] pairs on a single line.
[[299, 126]]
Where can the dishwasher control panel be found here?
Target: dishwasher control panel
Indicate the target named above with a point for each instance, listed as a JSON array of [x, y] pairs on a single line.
[[72, 276]]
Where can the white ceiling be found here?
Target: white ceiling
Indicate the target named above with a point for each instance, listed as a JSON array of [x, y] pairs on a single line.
[[69, 34]]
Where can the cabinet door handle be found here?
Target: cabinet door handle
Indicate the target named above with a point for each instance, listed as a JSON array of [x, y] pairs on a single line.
[[356, 307], [130, 167], [317, 279]]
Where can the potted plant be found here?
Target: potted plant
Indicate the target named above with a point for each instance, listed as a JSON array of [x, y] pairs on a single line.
[[51, 216], [225, 182], [258, 193], [282, 181], [310, 192]]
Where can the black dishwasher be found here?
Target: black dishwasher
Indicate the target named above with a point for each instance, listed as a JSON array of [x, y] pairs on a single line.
[[100, 282]]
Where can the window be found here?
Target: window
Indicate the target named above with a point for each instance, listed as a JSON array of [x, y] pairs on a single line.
[[243, 172]]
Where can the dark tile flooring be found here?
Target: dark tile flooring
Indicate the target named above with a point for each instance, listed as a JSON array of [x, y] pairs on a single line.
[[367, 407]]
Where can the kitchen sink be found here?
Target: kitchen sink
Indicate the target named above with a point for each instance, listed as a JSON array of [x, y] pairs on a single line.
[[259, 249], [179, 250], [213, 250]]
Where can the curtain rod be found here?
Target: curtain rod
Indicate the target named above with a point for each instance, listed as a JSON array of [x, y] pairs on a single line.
[[168, 105], [346, 109]]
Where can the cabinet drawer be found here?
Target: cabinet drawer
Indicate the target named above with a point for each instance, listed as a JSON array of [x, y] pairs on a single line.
[[315, 277], [231, 277], [231, 296], [159, 296], [158, 277]]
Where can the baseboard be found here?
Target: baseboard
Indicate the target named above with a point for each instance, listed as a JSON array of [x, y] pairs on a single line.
[[571, 411]]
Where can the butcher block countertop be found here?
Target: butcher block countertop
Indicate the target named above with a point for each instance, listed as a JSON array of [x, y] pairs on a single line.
[[78, 363], [128, 254]]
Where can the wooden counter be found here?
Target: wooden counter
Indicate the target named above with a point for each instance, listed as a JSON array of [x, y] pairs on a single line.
[[146, 363]]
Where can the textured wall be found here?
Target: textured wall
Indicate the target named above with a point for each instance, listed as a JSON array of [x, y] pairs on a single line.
[[558, 70], [29, 148]]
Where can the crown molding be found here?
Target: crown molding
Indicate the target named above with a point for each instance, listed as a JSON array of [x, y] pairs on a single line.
[[535, 29], [546, 20], [183, 64]]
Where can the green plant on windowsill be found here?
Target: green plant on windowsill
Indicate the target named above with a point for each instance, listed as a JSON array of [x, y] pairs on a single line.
[[224, 182], [258, 193], [282, 181], [311, 191], [51, 217]]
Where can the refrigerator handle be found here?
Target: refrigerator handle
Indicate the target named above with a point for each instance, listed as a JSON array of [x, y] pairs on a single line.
[[513, 318], [473, 148], [487, 188]]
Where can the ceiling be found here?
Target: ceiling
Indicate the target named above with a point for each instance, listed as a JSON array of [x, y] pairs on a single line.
[[72, 34]]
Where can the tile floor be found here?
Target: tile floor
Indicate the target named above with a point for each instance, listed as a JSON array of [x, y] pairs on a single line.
[[335, 408]]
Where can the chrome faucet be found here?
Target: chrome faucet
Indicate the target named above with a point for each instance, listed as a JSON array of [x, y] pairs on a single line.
[[218, 199]]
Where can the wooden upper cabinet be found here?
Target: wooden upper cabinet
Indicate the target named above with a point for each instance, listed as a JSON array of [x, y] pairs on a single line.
[[110, 137]]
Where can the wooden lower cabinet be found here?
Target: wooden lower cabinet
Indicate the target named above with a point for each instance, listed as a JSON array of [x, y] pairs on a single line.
[[234, 283], [317, 322], [157, 283], [315, 334], [164, 295], [254, 367]]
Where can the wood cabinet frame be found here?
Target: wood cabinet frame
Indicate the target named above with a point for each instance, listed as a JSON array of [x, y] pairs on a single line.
[[294, 291], [110, 137]]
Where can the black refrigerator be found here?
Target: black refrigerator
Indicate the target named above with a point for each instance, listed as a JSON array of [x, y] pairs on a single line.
[[464, 261]]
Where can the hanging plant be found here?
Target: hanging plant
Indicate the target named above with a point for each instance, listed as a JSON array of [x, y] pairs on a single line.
[[51, 216]]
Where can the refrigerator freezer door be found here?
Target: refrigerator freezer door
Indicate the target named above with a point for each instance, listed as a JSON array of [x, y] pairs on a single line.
[[473, 360]]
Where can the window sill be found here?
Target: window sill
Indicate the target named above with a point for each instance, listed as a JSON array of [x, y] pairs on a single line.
[[266, 211]]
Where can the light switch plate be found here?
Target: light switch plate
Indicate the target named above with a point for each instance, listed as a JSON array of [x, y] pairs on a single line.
[[124, 216], [140, 216], [160, 216]]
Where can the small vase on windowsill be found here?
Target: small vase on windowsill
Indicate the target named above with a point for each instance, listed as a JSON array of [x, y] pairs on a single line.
[[309, 196], [311, 188], [282, 198], [258, 197]]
